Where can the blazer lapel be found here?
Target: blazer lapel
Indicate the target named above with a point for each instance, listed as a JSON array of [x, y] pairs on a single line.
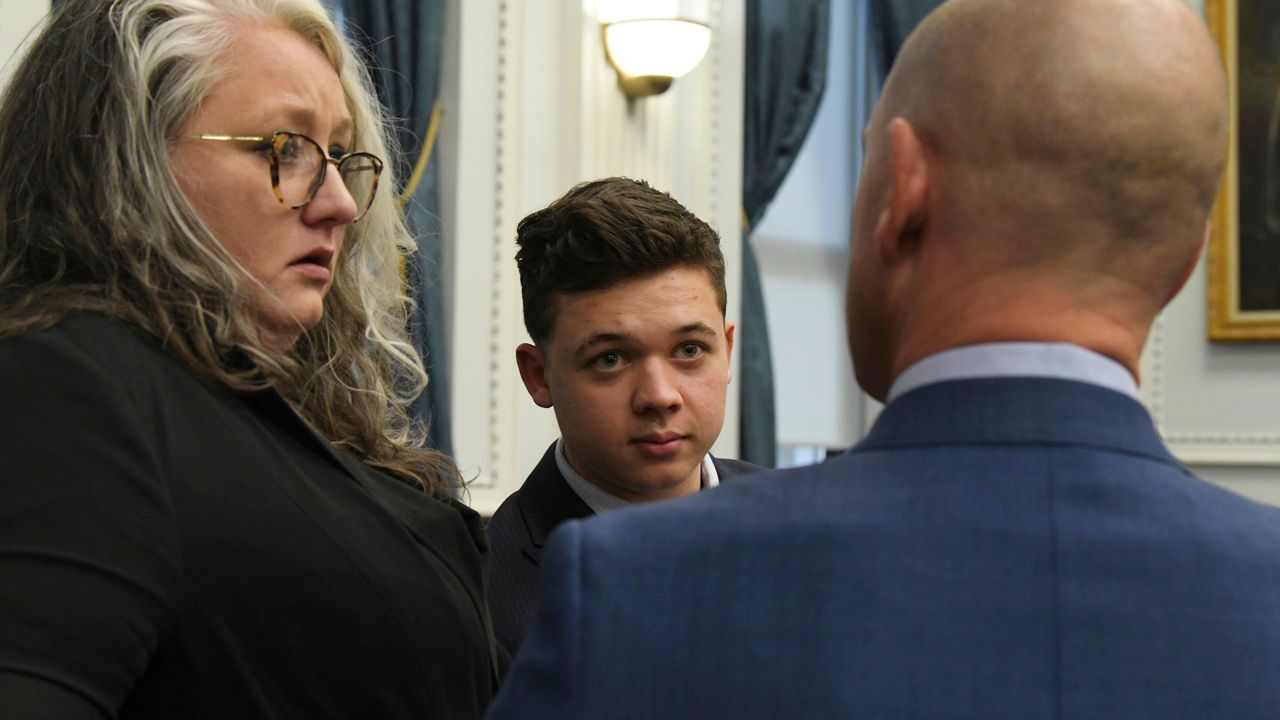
[[271, 405], [274, 407], [545, 501], [729, 469]]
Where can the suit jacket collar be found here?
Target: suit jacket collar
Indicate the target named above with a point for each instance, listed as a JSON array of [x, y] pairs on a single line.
[[1017, 410], [546, 500]]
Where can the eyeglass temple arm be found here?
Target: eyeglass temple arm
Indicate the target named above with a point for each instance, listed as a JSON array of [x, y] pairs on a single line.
[[244, 138]]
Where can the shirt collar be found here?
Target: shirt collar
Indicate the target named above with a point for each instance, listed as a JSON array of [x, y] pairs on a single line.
[[1017, 359], [601, 500]]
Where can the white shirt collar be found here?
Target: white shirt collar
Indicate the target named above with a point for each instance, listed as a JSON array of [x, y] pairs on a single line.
[[1017, 359], [601, 500]]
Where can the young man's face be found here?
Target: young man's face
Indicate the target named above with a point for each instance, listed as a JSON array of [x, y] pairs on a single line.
[[637, 374]]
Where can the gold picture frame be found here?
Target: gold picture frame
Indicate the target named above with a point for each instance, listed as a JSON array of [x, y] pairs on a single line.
[[1244, 246]]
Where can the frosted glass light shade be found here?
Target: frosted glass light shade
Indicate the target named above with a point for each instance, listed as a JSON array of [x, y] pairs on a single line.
[[657, 48]]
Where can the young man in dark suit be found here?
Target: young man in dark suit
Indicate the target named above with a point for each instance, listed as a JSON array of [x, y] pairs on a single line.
[[624, 298], [1012, 539]]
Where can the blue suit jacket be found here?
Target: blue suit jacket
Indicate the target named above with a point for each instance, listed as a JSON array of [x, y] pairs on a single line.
[[998, 548]]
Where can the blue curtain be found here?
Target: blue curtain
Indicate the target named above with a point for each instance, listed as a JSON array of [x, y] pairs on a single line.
[[786, 71], [403, 39], [881, 28], [892, 21]]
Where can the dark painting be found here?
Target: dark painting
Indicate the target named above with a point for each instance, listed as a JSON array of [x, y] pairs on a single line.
[[1244, 252], [1258, 88]]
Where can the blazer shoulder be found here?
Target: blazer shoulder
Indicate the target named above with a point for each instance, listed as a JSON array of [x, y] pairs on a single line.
[[115, 347]]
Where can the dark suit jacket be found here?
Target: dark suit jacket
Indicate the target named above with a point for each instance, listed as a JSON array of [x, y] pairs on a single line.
[[519, 530], [170, 548], [999, 548]]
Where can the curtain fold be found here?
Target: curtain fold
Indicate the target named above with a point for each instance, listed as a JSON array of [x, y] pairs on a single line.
[[402, 39], [893, 21], [786, 70]]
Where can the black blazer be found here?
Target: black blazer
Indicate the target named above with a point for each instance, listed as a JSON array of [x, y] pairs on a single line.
[[170, 548], [520, 528]]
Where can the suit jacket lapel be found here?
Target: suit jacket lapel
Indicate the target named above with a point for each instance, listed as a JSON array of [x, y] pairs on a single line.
[[545, 501], [274, 407], [728, 469]]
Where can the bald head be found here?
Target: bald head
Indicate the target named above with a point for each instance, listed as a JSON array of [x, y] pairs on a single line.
[[1037, 170], [1111, 113]]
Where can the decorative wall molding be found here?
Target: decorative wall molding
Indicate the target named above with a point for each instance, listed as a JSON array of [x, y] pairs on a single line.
[[489, 479], [1152, 372], [1180, 329], [716, 61]]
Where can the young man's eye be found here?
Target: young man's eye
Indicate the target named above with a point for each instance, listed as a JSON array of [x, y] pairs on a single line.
[[607, 361], [689, 351]]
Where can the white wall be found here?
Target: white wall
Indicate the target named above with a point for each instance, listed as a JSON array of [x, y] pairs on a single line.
[[17, 18]]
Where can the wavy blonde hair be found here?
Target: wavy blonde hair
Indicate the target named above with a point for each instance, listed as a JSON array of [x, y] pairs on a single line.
[[92, 218]]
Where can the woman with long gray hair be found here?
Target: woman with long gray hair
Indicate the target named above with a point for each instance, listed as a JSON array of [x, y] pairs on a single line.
[[213, 502]]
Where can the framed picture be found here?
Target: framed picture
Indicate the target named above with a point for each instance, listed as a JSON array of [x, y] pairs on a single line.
[[1244, 250]]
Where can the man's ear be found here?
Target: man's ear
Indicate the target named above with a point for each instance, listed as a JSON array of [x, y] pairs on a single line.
[[898, 227], [533, 371], [728, 347]]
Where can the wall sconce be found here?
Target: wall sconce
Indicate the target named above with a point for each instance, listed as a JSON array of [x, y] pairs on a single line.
[[649, 53]]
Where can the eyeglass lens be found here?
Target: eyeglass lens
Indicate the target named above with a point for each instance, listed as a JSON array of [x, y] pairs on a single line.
[[300, 163], [360, 175]]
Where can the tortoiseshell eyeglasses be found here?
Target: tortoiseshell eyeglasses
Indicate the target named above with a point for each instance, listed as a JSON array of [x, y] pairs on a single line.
[[299, 164]]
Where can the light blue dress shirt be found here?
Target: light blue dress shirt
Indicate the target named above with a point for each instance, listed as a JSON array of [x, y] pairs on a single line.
[[1017, 359]]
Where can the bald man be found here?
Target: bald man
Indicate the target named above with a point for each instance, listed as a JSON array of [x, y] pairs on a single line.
[[1012, 539]]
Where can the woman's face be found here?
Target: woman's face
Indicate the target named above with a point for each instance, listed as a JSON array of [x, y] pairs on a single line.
[[271, 79]]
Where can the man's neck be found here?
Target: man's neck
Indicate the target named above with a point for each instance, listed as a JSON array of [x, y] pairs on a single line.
[[1041, 317]]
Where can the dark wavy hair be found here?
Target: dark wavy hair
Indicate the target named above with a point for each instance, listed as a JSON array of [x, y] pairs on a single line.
[[604, 232]]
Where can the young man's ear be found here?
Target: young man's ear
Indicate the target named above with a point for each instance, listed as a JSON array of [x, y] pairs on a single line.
[[899, 226], [533, 371], [728, 347]]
